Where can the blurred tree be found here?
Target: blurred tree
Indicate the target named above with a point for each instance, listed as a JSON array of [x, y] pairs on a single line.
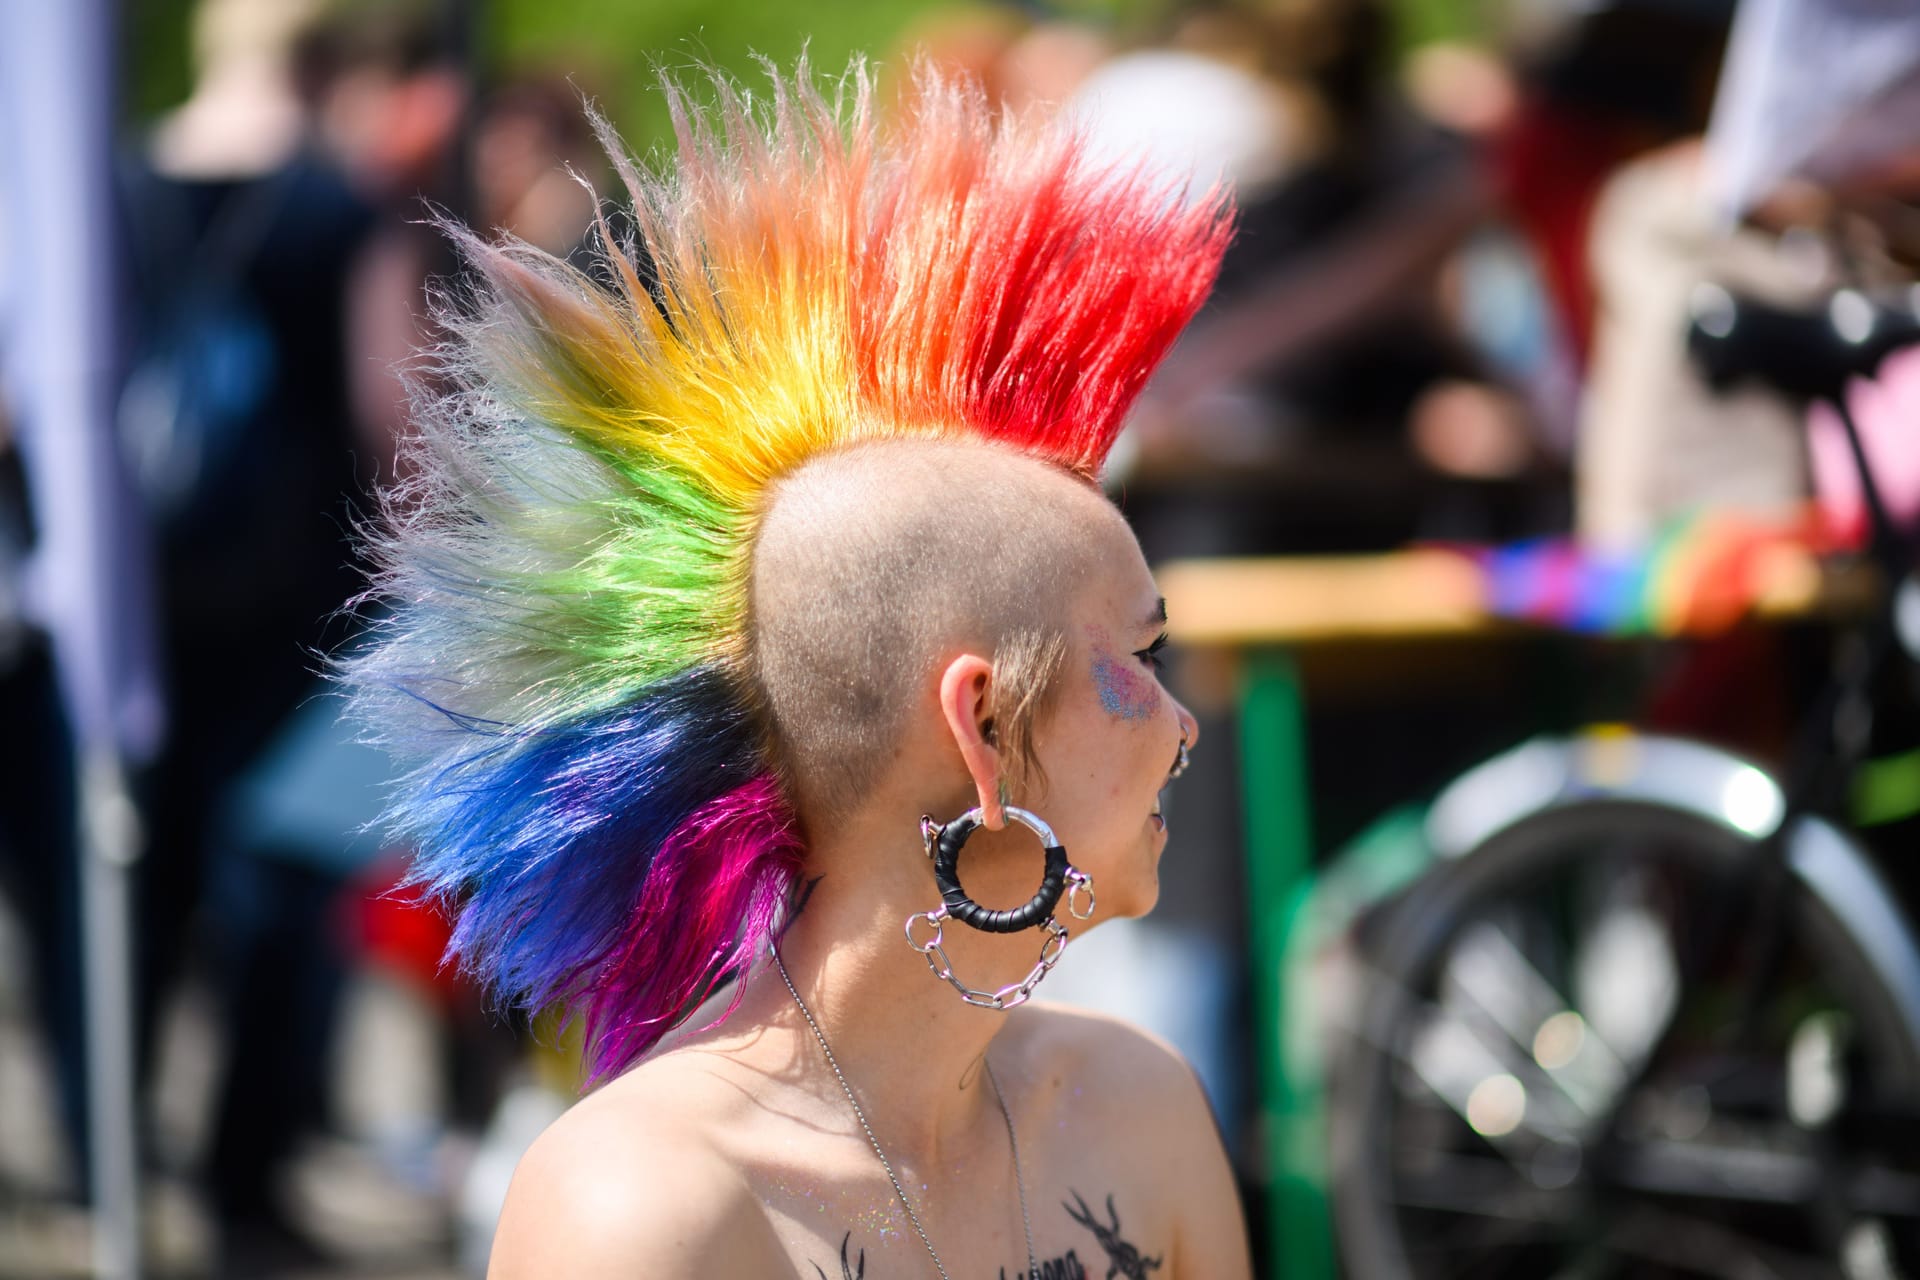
[[609, 50], [158, 70], [612, 49]]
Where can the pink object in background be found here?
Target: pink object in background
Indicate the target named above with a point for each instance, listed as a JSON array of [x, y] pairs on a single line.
[[1887, 411]]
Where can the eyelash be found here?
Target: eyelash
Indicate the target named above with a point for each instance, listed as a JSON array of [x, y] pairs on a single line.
[[1151, 655]]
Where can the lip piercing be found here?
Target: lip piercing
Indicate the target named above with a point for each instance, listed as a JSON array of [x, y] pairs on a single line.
[[1180, 761]]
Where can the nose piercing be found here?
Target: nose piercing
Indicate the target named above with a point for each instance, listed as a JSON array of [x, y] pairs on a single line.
[[1180, 761]]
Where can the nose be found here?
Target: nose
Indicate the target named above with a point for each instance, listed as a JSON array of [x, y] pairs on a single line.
[[1189, 727]]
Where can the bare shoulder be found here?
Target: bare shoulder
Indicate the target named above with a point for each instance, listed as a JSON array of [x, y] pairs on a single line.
[[1132, 1088], [1108, 1060], [629, 1183]]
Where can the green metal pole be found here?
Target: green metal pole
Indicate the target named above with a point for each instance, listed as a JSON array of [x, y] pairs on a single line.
[[1279, 833]]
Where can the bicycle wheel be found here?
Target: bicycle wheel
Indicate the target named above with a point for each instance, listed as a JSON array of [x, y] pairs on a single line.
[[1558, 1072]]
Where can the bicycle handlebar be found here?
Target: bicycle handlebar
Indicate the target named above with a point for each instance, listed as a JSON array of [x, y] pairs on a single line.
[[1805, 355]]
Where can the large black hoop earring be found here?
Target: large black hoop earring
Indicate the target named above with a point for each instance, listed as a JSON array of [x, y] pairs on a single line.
[[946, 874], [943, 844]]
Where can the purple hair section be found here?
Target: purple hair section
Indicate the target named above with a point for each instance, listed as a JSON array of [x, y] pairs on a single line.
[[550, 845], [716, 891]]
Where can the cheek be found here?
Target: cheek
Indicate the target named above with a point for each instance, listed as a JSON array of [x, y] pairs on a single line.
[[1125, 691]]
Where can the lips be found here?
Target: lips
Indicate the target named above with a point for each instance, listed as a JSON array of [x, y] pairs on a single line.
[[1156, 817]]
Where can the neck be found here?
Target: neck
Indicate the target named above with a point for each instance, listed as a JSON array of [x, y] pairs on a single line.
[[910, 1048]]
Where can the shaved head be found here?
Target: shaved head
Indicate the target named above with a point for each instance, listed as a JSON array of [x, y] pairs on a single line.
[[875, 563]]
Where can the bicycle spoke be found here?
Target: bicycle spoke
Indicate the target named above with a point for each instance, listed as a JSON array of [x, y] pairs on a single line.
[[1555, 1043], [1760, 1173], [1706, 1248], [1625, 976], [1480, 1186], [1499, 1093], [1732, 1172]]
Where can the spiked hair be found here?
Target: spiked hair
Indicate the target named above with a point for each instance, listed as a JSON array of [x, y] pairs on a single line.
[[563, 661]]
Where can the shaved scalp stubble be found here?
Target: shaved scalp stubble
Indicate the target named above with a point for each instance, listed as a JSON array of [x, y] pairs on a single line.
[[875, 564]]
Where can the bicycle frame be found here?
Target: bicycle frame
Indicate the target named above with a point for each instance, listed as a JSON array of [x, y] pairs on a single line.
[[1794, 848]]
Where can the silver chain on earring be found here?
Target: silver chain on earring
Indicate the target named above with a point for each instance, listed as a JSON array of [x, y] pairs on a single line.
[[1079, 886]]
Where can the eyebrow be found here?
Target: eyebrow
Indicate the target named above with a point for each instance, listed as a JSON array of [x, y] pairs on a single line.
[[1158, 618]]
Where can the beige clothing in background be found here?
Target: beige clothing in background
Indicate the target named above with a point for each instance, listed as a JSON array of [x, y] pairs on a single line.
[[1655, 441]]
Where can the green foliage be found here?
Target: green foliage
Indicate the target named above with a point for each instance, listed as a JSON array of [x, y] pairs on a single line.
[[157, 66], [611, 51], [1419, 22]]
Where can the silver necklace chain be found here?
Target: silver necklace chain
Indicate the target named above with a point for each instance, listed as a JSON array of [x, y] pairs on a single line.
[[859, 1113]]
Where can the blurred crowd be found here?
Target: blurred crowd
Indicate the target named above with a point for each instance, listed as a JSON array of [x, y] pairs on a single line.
[[1455, 310]]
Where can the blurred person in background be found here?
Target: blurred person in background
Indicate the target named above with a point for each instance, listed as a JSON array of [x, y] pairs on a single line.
[[1657, 443], [299, 919], [241, 431], [970, 39], [1660, 441], [39, 869], [396, 114], [1597, 165], [1577, 91], [1049, 62], [1025, 57], [536, 164], [1327, 348], [1659, 446]]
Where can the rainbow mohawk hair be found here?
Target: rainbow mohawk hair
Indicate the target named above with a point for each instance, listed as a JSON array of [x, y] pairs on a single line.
[[563, 667]]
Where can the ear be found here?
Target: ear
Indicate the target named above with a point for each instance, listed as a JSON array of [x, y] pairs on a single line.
[[966, 700]]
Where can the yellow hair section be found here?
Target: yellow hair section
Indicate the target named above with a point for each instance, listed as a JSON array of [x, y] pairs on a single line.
[[808, 275]]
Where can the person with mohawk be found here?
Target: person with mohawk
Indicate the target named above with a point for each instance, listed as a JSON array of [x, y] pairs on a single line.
[[751, 601]]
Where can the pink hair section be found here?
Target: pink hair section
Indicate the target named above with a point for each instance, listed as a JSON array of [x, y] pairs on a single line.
[[716, 891]]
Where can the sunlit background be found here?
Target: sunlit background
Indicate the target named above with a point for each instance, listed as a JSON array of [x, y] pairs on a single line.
[[1497, 430]]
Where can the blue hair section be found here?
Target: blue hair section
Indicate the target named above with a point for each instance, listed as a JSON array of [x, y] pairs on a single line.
[[541, 841]]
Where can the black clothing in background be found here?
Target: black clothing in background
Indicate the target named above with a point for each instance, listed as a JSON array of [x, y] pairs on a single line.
[[238, 428]]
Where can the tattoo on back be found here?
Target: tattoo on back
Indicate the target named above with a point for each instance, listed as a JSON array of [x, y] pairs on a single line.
[[1123, 1259]]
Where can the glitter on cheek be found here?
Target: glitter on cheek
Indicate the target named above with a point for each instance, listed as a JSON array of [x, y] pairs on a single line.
[[1125, 691]]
